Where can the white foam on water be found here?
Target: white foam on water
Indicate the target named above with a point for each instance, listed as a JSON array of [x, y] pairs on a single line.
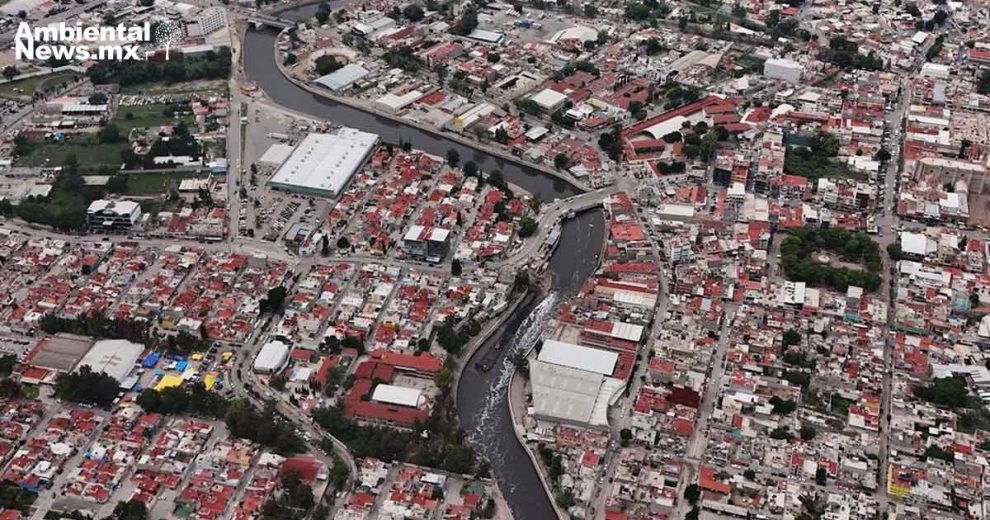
[[523, 340]]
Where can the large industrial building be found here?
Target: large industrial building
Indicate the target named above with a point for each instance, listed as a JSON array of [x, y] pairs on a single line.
[[323, 164], [572, 384], [113, 357]]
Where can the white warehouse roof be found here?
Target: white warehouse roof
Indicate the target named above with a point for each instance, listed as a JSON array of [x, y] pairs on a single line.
[[579, 357], [548, 99], [272, 357], [344, 77], [114, 357], [400, 395], [322, 164]]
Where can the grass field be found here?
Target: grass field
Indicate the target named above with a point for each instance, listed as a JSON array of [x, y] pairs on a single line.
[[155, 182], [89, 153], [25, 88], [146, 115]]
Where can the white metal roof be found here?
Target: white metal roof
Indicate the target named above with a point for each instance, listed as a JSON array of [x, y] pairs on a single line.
[[578, 356], [325, 162], [400, 395], [626, 331], [271, 357], [343, 77], [914, 243], [114, 357], [419, 233]]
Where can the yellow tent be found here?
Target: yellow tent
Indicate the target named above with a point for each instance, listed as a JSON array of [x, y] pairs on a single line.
[[168, 381], [209, 381], [197, 356]]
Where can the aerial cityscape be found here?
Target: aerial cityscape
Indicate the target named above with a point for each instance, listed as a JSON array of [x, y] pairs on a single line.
[[471, 259]]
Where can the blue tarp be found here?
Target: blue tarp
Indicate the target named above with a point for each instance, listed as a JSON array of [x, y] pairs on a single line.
[[151, 360], [181, 366]]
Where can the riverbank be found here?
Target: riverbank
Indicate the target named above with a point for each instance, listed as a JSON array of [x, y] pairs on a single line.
[[356, 104], [517, 388]]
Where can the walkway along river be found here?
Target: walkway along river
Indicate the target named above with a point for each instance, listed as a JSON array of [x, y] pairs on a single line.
[[481, 396]]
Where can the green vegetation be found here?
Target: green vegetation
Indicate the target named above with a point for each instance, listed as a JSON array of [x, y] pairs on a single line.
[[148, 183], [527, 227], [950, 392], [845, 54], [87, 150], [86, 386], [27, 88], [466, 23], [193, 399], [443, 447], [798, 249], [326, 64], [130, 510], [571, 68], [781, 433], [983, 86], [646, 10], [97, 325], [817, 160], [791, 337], [840, 405], [295, 500], [214, 65], [158, 114], [13, 496], [263, 427], [807, 432], [936, 452], [782, 406], [403, 58]]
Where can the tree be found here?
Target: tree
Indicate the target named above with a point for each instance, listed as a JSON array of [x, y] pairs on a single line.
[[821, 476], [326, 64], [527, 227], [950, 392], [275, 299], [413, 13], [453, 158], [9, 72], [466, 23], [470, 169], [692, 493], [974, 299], [693, 514], [130, 510], [323, 13], [883, 155], [87, 386], [781, 433], [807, 432], [98, 98], [590, 10], [455, 267], [343, 243], [110, 133], [561, 161], [791, 337]]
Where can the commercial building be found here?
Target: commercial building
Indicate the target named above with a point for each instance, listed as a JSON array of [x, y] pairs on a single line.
[[398, 395], [549, 100], [571, 384], [272, 358], [207, 22], [323, 164], [426, 243], [111, 215], [113, 357], [343, 78], [786, 70]]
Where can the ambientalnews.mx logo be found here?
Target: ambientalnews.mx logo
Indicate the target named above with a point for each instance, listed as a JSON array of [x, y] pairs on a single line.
[[77, 42]]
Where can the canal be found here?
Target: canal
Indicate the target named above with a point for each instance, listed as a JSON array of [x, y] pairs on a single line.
[[482, 396]]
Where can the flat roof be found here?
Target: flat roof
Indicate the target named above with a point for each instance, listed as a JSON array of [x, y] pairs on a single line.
[[272, 356], [114, 357], [548, 98], [60, 352], [324, 163], [276, 154], [400, 395], [578, 356]]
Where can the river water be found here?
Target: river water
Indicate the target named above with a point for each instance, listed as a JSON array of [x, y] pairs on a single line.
[[481, 399]]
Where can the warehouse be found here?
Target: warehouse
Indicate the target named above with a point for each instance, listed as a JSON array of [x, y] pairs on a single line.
[[272, 358], [571, 384], [113, 357], [343, 78], [61, 352], [783, 69], [323, 164]]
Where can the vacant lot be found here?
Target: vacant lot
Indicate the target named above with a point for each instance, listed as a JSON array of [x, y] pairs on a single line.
[[90, 153], [145, 116], [148, 183], [25, 88]]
